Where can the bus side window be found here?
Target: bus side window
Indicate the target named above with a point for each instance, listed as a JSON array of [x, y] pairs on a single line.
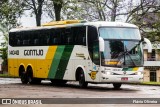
[[56, 37], [46, 37], [25, 42], [18, 42], [79, 34], [36, 42], [12, 36], [63, 36], [69, 35], [55, 40], [84, 40], [93, 44], [18, 38]]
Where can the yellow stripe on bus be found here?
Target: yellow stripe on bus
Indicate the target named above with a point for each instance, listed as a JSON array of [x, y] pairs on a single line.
[[135, 68], [40, 67], [51, 52], [44, 65]]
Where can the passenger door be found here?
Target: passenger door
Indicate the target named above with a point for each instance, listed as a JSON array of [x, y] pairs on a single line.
[[93, 61]]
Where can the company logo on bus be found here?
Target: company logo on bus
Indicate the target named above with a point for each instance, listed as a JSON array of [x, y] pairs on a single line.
[[93, 75], [33, 52], [124, 72]]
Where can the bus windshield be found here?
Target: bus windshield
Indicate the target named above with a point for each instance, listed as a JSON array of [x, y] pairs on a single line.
[[122, 53], [122, 47], [119, 33]]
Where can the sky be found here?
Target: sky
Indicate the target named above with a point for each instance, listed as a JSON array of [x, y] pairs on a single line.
[[29, 21]]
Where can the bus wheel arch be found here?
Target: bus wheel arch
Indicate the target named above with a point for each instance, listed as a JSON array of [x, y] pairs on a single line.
[[80, 76]]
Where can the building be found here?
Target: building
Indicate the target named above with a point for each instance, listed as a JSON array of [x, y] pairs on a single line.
[[152, 64]]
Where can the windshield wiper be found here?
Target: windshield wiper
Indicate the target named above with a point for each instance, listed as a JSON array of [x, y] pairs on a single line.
[[126, 52]]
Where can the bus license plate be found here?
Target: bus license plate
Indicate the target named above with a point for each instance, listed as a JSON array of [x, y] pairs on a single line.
[[124, 78]]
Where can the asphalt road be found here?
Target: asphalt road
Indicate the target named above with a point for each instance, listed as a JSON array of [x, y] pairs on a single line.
[[12, 88]]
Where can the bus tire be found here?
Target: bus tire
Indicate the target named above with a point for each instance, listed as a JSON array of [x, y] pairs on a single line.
[[23, 75], [82, 82], [24, 78], [117, 85], [31, 79]]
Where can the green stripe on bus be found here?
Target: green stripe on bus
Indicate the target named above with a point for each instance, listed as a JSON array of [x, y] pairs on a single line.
[[127, 69], [64, 62], [56, 61]]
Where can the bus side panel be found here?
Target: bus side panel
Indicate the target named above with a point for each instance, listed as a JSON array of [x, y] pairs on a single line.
[[80, 58], [60, 62], [77, 59], [26, 63], [42, 68], [43, 65], [12, 67]]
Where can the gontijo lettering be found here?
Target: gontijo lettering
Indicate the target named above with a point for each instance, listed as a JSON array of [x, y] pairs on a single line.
[[33, 52]]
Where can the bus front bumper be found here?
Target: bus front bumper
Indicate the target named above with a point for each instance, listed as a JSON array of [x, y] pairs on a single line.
[[121, 78]]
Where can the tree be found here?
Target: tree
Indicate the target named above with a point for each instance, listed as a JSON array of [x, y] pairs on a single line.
[[54, 8], [148, 21], [110, 10], [4, 49], [10, 11], [36, 6], [57, 8]]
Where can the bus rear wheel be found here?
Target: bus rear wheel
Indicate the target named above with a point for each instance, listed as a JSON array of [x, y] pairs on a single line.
[[117, 85], [82, 82], [23, 75], [24, 78], [31, 79]]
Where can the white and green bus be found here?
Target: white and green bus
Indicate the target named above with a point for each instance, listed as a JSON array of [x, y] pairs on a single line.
[[88, 52]]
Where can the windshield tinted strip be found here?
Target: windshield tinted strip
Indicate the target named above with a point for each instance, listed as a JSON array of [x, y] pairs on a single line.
[[119, 33]]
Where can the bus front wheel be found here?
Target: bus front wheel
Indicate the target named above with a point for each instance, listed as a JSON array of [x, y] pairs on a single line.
[[82, 82], [117, 85]]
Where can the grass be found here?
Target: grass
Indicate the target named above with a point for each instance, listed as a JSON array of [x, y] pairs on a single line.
[[3, 75], [150, 83], [6, 76]]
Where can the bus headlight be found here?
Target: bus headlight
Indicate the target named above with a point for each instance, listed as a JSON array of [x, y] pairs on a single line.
[[139, 73], [106, 72]]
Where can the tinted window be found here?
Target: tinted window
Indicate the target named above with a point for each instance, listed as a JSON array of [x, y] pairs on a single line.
[[93, 44], [79, 34], [45, 37]]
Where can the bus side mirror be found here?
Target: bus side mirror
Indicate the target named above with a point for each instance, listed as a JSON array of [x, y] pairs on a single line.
[[148, 44], [101, 44]]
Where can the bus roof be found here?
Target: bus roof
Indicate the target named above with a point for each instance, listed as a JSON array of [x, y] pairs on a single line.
[[53, 23], [111, 24], [69, 23]]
